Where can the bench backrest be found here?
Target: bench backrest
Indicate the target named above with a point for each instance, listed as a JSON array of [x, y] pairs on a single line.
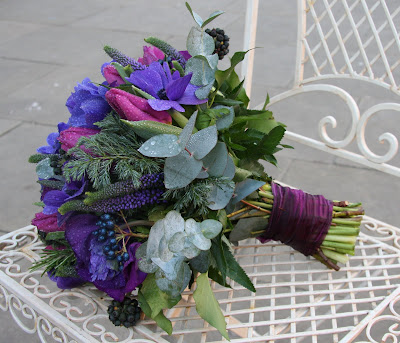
[[342, 39]]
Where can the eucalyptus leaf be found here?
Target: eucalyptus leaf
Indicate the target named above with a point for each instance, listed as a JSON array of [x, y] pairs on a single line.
[[164, 145], [202, 142], [230, 168], [207, 306], [220, 196], [169, 268], [203, 92], [212, 17], [189, 249], [187, 131], [163, 250], [174, 287], [181, 170], [195, 16], [195, 235], [203, 73], [210, 228], [199, 43], [216, 161], [176, 243], [44, 170], [244, 188]]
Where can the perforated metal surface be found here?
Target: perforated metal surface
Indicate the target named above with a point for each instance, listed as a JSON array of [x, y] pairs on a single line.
[[297, 299]]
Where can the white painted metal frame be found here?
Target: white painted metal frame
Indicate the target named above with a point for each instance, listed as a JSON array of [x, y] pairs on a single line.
[[297, 299]]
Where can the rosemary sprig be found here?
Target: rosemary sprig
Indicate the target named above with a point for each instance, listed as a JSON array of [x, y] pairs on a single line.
[[51, 260]]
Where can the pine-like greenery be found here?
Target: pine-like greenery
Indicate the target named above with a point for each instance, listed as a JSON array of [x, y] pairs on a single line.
[[53, 260], [113, 155], [193, 199]]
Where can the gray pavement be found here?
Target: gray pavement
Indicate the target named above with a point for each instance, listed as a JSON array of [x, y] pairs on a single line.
[[47, 46]]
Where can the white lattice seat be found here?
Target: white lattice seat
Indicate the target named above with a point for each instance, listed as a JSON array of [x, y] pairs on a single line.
[[297, 299]]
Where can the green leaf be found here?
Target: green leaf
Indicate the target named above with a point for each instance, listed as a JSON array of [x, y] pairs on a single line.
[[121, 71], [66, 271], [54, 236], [202, 142], [207, 306], [195, 16], [200, 43], [269, 142], [203, 74], [149, 128], [160, 319], [39, 203], [215, 274], [222, 75], [235, 271], [164, 145], [36, 158], [212, 17], [218, 255], [156, 299]]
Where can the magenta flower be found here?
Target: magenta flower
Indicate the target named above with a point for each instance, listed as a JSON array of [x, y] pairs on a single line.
[[46, 222], [112, 76], [69, 137], [151, 54], [134, 108], [169, 91]]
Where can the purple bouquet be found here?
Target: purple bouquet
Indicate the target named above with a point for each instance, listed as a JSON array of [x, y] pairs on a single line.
[[156, 174]]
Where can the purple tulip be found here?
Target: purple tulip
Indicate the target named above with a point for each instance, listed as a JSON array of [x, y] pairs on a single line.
[[46, 222], [151, 54], [70, 137], [134, 108], [112, 76]]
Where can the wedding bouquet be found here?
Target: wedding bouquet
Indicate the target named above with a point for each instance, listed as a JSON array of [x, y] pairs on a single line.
[[156, 174]]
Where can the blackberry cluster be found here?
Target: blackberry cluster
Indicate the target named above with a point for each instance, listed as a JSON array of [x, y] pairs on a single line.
[[221, 41], [126, 313], [105, 233], [55, 164]]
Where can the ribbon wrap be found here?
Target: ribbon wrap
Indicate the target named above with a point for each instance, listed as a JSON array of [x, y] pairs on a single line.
[[298, 219]]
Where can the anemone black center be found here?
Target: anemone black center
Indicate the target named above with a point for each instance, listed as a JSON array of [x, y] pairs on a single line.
[[162, 94]]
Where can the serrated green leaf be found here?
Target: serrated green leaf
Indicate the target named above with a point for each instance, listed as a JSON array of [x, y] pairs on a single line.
[[155, 298], [207, 306], [235, 271], [212, 17], [160, 319], [218, 255], [222, 75], [195, 16], [216, 276], [269, 142]]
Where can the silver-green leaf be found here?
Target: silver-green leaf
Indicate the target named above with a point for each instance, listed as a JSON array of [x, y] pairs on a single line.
[[164, 145]]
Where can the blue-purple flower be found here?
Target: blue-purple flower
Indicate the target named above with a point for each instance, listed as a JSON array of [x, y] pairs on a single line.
[[169, 91], [87, 105], [54, 145], [54, 199], [78, 232]]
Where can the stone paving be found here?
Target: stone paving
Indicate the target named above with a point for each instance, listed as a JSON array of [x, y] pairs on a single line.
[[48, 46]]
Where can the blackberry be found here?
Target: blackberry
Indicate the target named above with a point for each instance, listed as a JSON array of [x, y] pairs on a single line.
[[126, 313], [221, 41]]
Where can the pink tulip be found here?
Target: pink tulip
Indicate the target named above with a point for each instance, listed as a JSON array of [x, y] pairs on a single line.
[[112, 76], [151, 54], [134, 108], [46, 222], [69, 137]]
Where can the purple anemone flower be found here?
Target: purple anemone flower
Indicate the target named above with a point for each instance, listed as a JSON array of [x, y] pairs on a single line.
[[169, 91], [87, 105], [66, 282], [78, 232], [54, 145], [54, 199]]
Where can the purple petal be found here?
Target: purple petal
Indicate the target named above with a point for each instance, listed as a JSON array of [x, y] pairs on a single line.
[[167, 72], [66, 282], [53, 200], [190, 98], [133, 275], [147, 80], [176, 75], [163, 105], [77, 230], [176, 88]]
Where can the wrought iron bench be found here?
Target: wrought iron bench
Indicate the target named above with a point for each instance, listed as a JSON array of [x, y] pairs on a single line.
[[297, 299]]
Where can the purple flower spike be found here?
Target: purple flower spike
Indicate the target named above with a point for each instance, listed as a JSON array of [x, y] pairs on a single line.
[[169, 91]]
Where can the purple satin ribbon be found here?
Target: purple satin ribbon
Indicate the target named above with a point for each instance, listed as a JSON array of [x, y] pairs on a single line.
[[298, 219]]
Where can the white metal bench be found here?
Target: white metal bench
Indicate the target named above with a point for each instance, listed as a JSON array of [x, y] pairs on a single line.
[[297, 299]]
